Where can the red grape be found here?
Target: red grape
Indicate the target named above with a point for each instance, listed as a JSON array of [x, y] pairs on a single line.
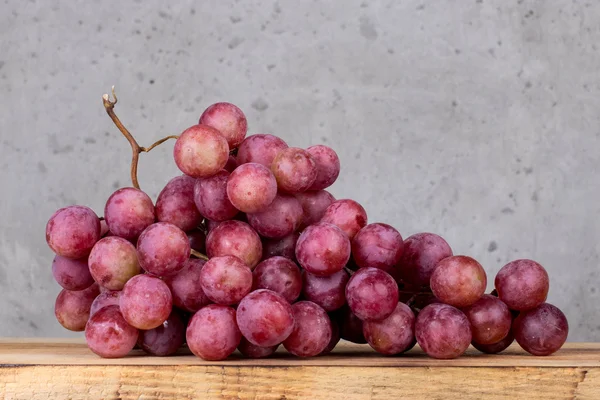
[[328, 166], [443, 331], [351, 327], [108, 334], [226, 280], [103, 228], [165, 339], [231, 164], [146, 302], [346, 214], [235, 238], [326, 291], [212, 333], [284, 247], [378, 246], [295, 169], [72, 308], [210, 195], [72, 231], [312, 330], [260, 149], [105, 299], [280, 275], [265, 318], [522, 284], [281, 218], [314, 204], [323, 249], [197, 240], [227, 119], [162, 249], [128, 212], [335, 338], [72, 274], [459, 281], [422, 252], [393, 335], [251, 187], [186, 287], [253, 351], [372, 294], [201, 151], [541, 331], [497, 347], [113, 261], [175, 204], [490, 319]]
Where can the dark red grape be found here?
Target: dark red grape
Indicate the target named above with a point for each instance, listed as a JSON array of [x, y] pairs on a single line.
[[72, 309], [113, 261], [162, 249], [284, 247], [227, 119], [443, 331], [146, 302], [128, 212], [280, 275], [73, 231], [175, 204], [265, 318], [260, 149], [253, 351], [108, 334], [351, 327], [323, 249], [497, 347], [372, 294], [541, 331], [335, 338], [422, 252], [393, 335], [281, 218], [165, 339], [328, 166], [212, 333], [314, 204], [197, 240], [210, 195], [522, 284], [235, 238], [225, 280], [186, 287], [251, 187], [105, 299], [347, 214], [231, 164], [312, 330], [377, 245], [201, 151], [458, 280], [490, 319], [72, 273], [295, 170], [328, 292]]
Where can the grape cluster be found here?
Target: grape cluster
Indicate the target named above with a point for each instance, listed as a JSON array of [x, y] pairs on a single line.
[[286, 264]]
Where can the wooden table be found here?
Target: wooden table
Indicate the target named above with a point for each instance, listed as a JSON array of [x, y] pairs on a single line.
[[66, 369]]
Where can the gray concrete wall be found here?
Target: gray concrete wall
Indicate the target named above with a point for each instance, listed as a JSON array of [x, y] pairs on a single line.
[[478, 120]]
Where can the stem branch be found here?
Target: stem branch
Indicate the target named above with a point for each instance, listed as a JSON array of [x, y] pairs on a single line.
[[199, 255]]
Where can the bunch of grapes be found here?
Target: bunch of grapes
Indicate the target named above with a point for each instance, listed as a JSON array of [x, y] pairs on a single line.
[[286, 264]]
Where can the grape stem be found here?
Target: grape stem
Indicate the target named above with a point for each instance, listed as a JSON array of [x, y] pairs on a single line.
[[199, 255], [136, 149]]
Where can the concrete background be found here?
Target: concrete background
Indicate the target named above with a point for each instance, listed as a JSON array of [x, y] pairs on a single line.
[[478, 120]]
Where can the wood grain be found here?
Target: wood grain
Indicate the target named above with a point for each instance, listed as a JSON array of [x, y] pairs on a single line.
[[57, 369]]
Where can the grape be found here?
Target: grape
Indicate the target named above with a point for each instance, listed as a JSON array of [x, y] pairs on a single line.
[[260, 149], [312, 330], [210, 196], [104, 228], [113, 261], [146, 302], [328, 166], [201, 151], [253, 351], [72, 308], [295, 169], [281, 218], [225, 280], [335, 338], [497, 347], [323, 249], [522, 284], [372, 294], [72, 231], [541, 331], [197, 240], [284, 247], [186, 287], [443, 331], [210, 225], [235, 238], [165, 339], [326, 291], [105, 299], [72, 274], [351, 327], [128, 212], [108, 334], [265, 318], [313, 205], [393, 335], [280, 275], [212, 333], [458, 280], [231, 164], [378, 246], [490, 319], [251, 187], [422, 252], [162, 249], [175, 204], [227, 119], [346, 214]]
